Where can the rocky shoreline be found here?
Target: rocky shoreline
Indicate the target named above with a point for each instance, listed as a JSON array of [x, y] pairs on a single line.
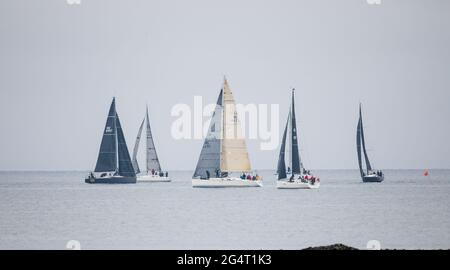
[[332, 247]]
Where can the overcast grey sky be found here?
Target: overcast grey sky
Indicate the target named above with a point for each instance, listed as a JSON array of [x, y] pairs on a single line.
[[61, 65]]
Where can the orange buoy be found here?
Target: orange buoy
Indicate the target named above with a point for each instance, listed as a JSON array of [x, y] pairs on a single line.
[[426, 173]]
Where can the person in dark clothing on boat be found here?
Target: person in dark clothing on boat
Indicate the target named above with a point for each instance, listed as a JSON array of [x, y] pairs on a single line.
[[207, 174], [167, 174], [217, 173], [153, 171], [243, 176], [291, 179]]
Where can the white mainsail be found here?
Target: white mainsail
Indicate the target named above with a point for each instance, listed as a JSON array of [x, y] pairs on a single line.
[[151, 155]]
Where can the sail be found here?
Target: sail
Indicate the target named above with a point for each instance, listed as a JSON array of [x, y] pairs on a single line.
[[288, 150], [152, 157], [136, 148], [209, 159], [358, 146], [369, 168], [107, 157], [234, 155], [125, 165], [281, 168], [295, 151]]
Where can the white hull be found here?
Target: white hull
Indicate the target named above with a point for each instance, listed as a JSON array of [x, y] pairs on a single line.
[[296, 184], [225, 182], [152, 178]]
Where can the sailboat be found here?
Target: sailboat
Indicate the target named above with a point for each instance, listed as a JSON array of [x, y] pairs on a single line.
[[369, 175], [154, 172], [114, 162], [289, 158], [224, 153]]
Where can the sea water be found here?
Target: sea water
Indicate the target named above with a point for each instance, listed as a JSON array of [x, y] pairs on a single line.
[[46, 210]]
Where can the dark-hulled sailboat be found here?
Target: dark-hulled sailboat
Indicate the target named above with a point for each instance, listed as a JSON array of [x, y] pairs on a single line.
[[114, 163], [289, 161], [369, 175], [153, 172]]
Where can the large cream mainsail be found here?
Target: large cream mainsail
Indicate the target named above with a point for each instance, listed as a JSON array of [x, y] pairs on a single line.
[[234, 154]]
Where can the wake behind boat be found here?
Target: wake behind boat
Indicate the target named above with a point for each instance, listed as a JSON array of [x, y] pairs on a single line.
[[224, 153], [299, 178], [154, 173], [370, 175], [113, 163]]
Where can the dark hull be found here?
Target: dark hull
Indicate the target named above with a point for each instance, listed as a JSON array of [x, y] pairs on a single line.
[[373, 179], [111, 180]]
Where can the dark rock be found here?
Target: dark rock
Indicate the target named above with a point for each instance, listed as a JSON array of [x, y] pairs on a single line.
[[332, 247]]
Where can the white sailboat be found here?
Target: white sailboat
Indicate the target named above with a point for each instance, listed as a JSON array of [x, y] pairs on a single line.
[[289, 159], [224, 160], [153, 173]]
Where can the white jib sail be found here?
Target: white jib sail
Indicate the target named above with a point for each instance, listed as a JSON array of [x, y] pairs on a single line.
[[234, 154]]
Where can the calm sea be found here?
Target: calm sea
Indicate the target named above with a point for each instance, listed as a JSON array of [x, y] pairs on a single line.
[[44, 210]]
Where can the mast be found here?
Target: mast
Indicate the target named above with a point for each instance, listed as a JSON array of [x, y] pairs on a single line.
[[107, 157]]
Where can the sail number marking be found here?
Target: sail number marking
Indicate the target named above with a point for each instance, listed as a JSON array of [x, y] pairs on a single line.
[[246, 259]]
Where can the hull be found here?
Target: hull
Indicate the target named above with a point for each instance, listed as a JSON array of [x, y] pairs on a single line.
[[284, 184], [111, 180], [153, 178], [373, 178], [225, 182]]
